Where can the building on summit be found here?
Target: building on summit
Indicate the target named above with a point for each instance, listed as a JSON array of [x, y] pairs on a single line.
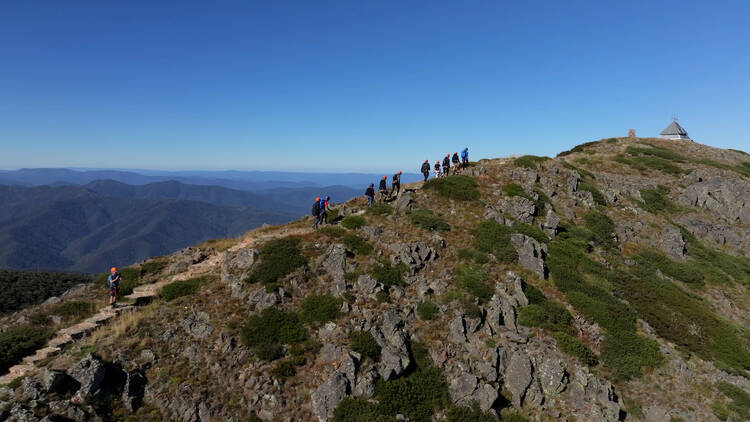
[[674, 131]]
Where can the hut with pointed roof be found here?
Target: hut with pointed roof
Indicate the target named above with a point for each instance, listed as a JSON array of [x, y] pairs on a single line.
[[674, 131]]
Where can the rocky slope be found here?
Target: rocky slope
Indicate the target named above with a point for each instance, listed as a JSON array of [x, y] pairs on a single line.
[[606, 284]]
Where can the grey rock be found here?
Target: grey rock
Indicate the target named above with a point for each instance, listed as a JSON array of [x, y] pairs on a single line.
[[372, 232], [550, 223], [328, 395], [89, 372], [393, 341], [334, 262], [405, 202], [54, 300], [518, 208], [486, 396], [457, 330], [531, 254], [722, 193], [491, 213], [68, 410], [572, 183], [132, 394], [31, 388], [414, 255], [552, 377], [658, 413], [197, 325], [259, 299], [53, 381], [366, 284], [237, 262], [19, 413], [148, 355], [461, 387], [365, 386], [671, 242], [74, 291], [518, 376]]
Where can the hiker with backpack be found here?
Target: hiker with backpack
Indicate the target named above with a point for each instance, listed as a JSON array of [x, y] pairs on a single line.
[[455, 162], [324, 210], [465, 157], [426, 169], [446, 165], [113, 283], [316, 212], [437, 169], [396, 184], [370, 194], [383, 188]]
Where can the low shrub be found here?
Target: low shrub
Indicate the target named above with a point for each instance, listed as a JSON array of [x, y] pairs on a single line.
[[628, 354], [493, 237], [333, 232], [17, 342], [269, 351], [473, 255], [529, 161], [181, 288], [286, 368], [364, 343], [600, 225], [599, 198], [416, 396], [740, 400], [153, 266], [531, 231], [534, 295], [458, 187], [656, 201], [474, 280], [575, 347], [426, 219], [513, 189], [683, 271], [469, 414], [319, 308], [272, 327], [549, 315], [74, 310], [379, 209], [357, 410], [427, 310], [389, 275], [278, 258], [656, 151], [353, 222], [356, 244]]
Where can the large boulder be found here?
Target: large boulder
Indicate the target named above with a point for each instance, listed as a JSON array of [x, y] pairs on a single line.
[[518, 208], [89, 372], [722, 193], [414, 255], [197, 325], [237, 263], [405, 202], [132, 394], [328, 395], [531, 254], [393, 341], [334, 262], [518, 376]]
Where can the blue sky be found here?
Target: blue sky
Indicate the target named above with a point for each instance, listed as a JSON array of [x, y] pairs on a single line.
[[359, 86]]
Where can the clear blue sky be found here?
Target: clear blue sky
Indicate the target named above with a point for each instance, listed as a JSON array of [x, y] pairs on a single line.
[[363, 85]]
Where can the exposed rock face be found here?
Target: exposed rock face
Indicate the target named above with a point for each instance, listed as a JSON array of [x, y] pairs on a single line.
[[405, 202], [501, 309], [89, 372], [518, 208], [328, 395], [518, 376], [185, 258], [722, 193], [550, 223], [531, 254], [394, 355], [671, 242], [235, 268], [334, 262], [132, 394], [414, 255], [197, 325]]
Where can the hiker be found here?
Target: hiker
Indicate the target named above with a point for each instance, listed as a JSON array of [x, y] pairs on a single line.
[[370, 194], [382, 188], [324, 210], [446, 165], [316, 212], [426, 169], [455, 162], [465, 157], [113, 282], [396, 184], [437, 169]]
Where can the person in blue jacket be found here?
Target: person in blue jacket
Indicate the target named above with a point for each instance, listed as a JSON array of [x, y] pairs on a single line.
[[465, 157]]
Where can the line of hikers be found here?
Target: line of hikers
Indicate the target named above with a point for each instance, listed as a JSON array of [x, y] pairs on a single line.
[[320, 211], [458, 164]]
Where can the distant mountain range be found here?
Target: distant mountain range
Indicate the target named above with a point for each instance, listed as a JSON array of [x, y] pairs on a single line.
[[105, 222]]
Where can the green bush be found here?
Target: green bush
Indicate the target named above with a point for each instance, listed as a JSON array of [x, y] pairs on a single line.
[[514, 417], [272, 327], [287, 367], [364, 343], [575, 347], [379, 209], [389, 275], [715, 264], [17, 342], [153, 266], [599, 198], [656, 151], [319, 308], [426, 219], [333, 232], [531, 231], [416, 396], [469, 414], [513, 189], [549, 315], [685, 272], [529, 161], [269, 351], [600, 225], [358, 410], [356, 244], [427, 310], [493, 237], [458, 187], [74, 310], [534, 295], [474, 280], [181, 288], [627, 353], [24, 288], [353, 222], [740, 400], [278, 258], [656, 201], [473, 255]]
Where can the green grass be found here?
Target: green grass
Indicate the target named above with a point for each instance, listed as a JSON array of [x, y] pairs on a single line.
[[17, 342], [534, 295], [271, 328], [530, 231], [469, 414], [153, 266], [356, 244], [575, 347], [364, 343], [278, 258], [493, 237], [655, 151], [319, 308], [529, 161], [181, 288], [739, 399], [513, 189], [426, 219], [644, 163], [458, 187], [625, 353], [389, 275], [549, 315], [656, 201], [353, 222], [687, 272], [600, 225], [475, 281], [74, 310], [716, 265], [474, 255], [333, 232], [379, 209], [427, 310], [599, 198]]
